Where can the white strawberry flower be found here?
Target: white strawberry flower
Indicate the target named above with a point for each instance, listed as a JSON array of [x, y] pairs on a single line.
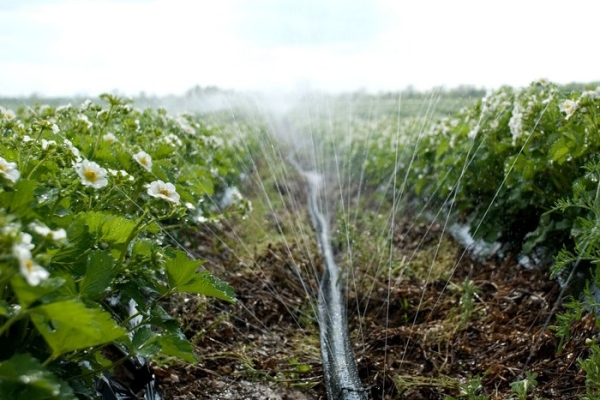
[[91, 174], [144, 160], [74, 150], [110, 138], [9, 170], [568, 107], [47, 143], [165, 191], [43, 230], [31, 271]]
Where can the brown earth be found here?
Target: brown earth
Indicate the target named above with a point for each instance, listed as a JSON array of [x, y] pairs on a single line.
[[420, 339]]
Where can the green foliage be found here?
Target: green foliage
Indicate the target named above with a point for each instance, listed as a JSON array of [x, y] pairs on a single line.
[[519, 166], [68, 325], [101, 270], [591, 366], [183, 277], [23, 377], [87, 197], [525, 386], [467, 301], [470, 390], [583, 256], [498, 165], [565, 320]]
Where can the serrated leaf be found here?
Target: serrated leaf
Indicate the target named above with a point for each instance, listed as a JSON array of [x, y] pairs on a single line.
[[209, 285], [145, 342], [199, 179], [68, 325], [27, 294], [142, 248], [177, 345], [136, 289], [108, 227], [159, 317], [171, 340], [101, 269], [70, 258], [69, 288], [559, 151], [24, 377], [19, 200], [182, 277], [180, 269]]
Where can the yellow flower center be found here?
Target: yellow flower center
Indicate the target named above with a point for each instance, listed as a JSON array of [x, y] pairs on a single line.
[[144, 161], [29, 264], [3, 168], [164, 192], [90, 175]]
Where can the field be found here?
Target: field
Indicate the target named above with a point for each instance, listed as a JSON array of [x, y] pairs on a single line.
[[464, 224]]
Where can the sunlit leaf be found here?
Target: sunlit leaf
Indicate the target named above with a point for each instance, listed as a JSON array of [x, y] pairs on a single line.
[[180, 269], [27, 294], [108, 227], [68, 325], [207, 284], [183, 277], [559, 152]]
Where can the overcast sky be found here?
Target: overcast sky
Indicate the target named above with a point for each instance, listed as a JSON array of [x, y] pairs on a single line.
[[69, 47]]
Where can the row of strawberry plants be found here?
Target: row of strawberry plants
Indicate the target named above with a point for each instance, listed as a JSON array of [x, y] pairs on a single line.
[[519, 166], [91, 199], [499, 165]]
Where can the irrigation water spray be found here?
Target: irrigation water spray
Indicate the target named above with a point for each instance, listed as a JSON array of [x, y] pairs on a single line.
[[423, 310]]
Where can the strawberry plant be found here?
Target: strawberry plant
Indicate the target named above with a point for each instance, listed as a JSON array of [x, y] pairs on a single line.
[[90, 201]]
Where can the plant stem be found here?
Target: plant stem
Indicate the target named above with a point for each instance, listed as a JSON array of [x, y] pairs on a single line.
[[37, 166], [134, 232], [12, 320]]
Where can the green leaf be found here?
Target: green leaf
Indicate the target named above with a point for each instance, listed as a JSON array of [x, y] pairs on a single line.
[[68, 325], [4, 308], [19, 200], [72, 257], [27, 294], [24, 377], [559, 151], [180, 269], [145, 342], [182, 277], [198, 179], [142, 248], [177, 345], [171, 340], [100, 271], [111, 228], [209, 285]]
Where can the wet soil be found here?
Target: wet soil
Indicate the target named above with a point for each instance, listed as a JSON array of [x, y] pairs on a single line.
[[421, 339]]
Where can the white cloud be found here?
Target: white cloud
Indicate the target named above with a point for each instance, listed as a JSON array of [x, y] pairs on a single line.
[[167, 46]]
